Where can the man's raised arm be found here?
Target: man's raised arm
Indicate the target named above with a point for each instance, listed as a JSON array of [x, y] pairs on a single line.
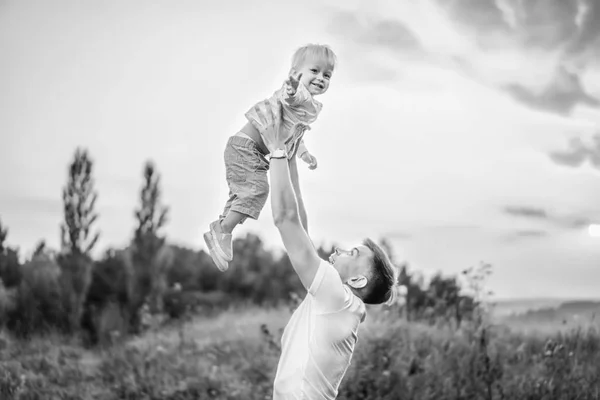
[[284, 204], [293, 164]]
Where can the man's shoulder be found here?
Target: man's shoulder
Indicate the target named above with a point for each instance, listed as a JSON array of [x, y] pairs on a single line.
[[332, 294], [325, 273]]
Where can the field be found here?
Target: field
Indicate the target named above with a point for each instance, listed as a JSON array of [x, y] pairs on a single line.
[[233, 355]]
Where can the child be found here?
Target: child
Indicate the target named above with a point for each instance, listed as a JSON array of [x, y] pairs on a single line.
[[246, 163]]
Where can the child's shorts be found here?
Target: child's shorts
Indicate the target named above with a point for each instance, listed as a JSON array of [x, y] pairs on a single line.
[[246, 169]]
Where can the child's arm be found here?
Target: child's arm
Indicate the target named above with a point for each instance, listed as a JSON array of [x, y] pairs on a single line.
[[301, 148], [305, 155], [294, 95]]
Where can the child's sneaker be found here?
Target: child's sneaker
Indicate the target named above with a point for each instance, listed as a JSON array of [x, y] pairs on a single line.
[[219, 244], [219, 262]]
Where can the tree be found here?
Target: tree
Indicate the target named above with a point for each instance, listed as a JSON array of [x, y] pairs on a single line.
[[445, 294], [77, 239], [40, 248], [150, 256], [10, 268], [3, 234], [79, 198]]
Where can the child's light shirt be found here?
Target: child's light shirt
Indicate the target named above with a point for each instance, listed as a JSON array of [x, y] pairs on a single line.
[[298, 111]]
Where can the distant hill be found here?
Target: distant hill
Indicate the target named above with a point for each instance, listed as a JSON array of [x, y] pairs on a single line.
[[548, 310], [508, 307]]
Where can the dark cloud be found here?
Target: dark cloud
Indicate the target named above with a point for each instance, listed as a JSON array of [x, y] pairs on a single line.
[[588, 36], [476, 14], [363, 35], [562, 26], [547, 23], [531, 233], [571, 27], [524, 234], [574, 156], [561, 96], [527, 212], [579, 222], [594, 152], [572, 221], [385, 33], [393, 35], [578, 153]]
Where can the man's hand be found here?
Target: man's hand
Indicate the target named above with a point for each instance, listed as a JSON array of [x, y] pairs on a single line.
[[292, 82], [309, 159], [272, 134]]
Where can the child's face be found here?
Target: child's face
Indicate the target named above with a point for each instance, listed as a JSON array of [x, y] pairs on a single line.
[[316, 75]]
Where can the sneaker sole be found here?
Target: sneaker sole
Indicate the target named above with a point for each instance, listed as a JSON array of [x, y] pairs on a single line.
[[213, 254], [216, 246]]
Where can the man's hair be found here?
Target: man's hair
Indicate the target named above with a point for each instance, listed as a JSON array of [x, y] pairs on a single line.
[[383, 277], [318, 51]]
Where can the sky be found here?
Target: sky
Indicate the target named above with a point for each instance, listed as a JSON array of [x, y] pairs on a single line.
[[464, 131]]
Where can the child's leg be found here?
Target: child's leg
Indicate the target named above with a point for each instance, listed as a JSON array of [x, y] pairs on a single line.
[[231, 220], [246, 172]]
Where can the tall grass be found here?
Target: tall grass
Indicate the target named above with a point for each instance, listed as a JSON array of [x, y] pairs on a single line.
[[234, 355]]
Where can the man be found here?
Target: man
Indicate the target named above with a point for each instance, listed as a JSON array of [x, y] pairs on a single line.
[[318, 341]]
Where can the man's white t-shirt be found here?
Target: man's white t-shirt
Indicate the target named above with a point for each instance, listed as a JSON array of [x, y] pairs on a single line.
[[318, 341]]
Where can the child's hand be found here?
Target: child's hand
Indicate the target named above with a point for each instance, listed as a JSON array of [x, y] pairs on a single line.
[[292, 82], [309, 159]]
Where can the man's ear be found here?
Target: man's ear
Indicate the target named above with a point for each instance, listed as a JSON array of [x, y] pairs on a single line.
[[358, 282]]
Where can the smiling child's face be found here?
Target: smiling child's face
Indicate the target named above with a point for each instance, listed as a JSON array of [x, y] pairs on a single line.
[[316, 75]]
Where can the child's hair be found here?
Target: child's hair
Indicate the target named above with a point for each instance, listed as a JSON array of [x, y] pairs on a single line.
[[319, 51]]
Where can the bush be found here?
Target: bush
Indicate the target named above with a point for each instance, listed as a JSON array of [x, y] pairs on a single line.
[[7, 303], [38, 299], [10, 268], [178, 303]]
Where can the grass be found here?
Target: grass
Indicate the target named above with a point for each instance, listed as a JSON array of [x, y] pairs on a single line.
[[234, 355]]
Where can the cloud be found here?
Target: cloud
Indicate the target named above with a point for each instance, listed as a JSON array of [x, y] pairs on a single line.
[[524, 234], [588, 21], [547, 23], [567, 31], [544, 24], [526, 212], [495, 43], [477, 14], [367, 32], [578, 153], [562, 221], [564, 92], [531, 233]]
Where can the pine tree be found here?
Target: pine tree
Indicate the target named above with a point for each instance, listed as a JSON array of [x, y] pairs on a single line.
[[3, 234], [77, 239], [40, 248], [10, 268], [151, 216], [150, 257], [79, 198]]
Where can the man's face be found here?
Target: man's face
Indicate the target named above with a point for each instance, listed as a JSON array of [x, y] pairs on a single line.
[[316, 75], [352, 262]]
